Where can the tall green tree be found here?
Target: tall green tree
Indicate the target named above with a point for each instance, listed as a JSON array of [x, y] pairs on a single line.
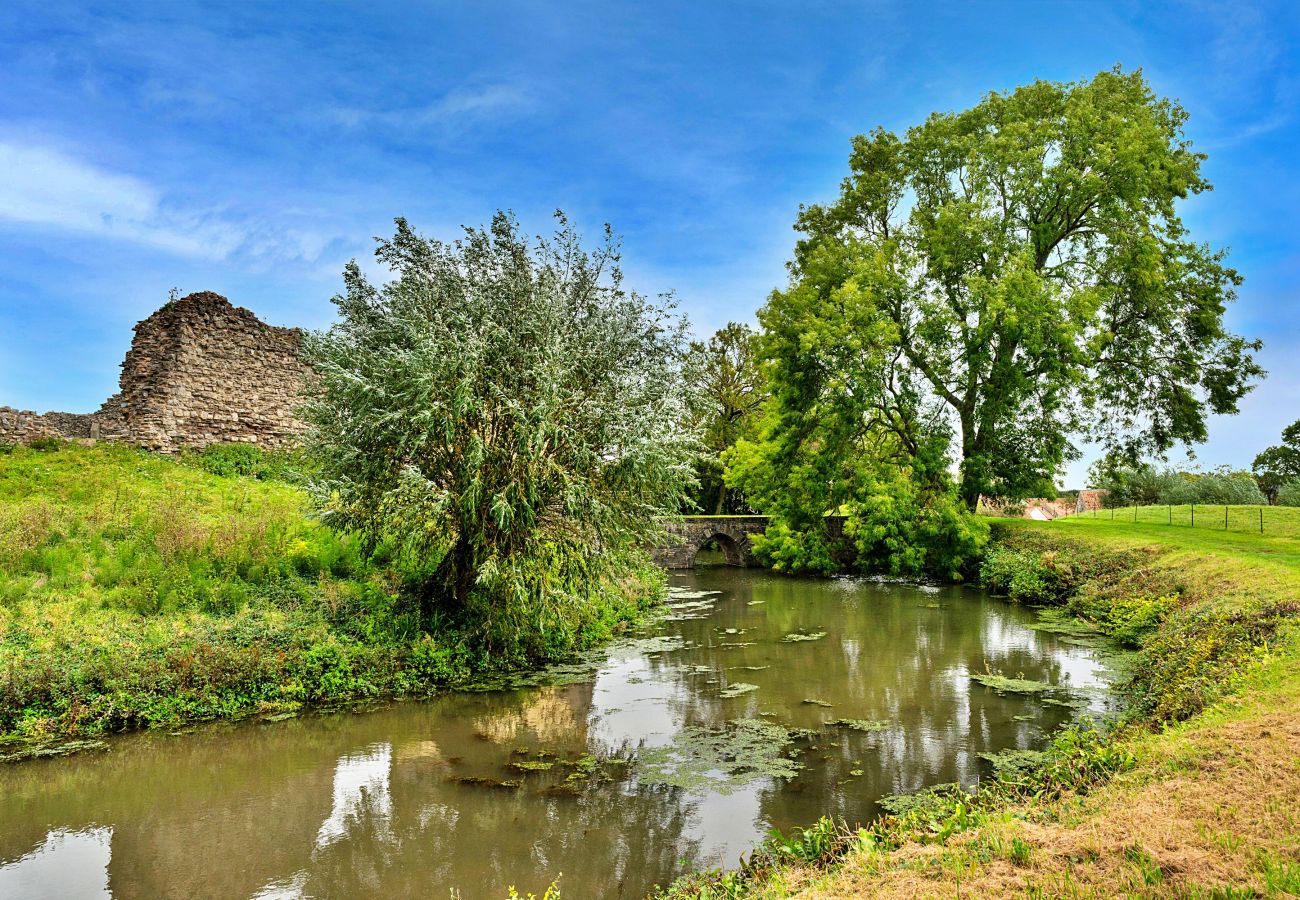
[[729, 391], [1020, 271], [507, 414], [1280, 464]]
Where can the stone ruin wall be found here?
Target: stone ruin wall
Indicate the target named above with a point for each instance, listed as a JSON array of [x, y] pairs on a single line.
[[200, 371]]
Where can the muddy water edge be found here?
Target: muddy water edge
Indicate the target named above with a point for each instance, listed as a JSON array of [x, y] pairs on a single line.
[[757, 702]]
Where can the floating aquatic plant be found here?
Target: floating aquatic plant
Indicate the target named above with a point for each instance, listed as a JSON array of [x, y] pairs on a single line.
[[531, 765], [1011, 763], [813, 701], [797, 636], [720, 759], [858, 724], [1005, 685], [737, 688]]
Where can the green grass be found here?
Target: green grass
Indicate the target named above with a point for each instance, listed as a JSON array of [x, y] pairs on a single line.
[[1277, 521], [142, 590]]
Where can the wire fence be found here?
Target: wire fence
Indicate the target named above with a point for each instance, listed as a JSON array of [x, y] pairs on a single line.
[[1256, 519]]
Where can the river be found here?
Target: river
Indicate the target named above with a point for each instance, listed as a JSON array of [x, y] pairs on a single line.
[[759, 701]]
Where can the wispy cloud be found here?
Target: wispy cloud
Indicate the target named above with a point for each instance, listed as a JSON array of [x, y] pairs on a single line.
[[46, 187], [457, 108]]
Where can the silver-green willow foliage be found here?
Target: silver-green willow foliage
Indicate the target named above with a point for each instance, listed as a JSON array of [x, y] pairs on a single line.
[[506, 413]]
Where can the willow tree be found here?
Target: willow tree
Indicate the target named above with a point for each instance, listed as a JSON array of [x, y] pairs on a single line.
[[510, 416], [1021, 271]]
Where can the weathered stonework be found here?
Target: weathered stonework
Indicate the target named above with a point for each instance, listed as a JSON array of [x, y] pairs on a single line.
[[685, 536], [200, 371], [22, 426]]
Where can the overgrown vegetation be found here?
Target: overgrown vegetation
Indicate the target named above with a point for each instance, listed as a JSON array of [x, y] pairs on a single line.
[[1147, 485], [137, 590]]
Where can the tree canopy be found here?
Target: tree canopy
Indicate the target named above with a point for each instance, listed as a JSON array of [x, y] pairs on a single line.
[[1279, 465], [507, 412], [1001, 278], [728, 392]]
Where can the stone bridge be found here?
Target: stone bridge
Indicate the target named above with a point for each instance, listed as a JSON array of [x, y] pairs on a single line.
[[687, 535]]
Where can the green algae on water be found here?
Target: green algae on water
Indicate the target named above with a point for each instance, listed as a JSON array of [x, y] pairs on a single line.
[[736, 689], [531, 765], [720, 759], [858, 724], [1013, 763], [796, 636], [813, 701], [1005, 685]]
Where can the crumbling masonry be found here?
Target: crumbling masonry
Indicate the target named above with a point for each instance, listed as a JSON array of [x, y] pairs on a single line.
[[200, 371]]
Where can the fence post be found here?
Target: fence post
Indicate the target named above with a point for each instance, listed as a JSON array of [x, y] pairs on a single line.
[[1261, 520], [1135, 513], [1171, 514], [1225, 517], [1193, 515]]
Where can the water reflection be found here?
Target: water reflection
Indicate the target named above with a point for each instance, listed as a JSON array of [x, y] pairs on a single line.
[[66, 864], [477, 791]]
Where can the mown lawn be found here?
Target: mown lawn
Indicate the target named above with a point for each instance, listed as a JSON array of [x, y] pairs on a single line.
[[1197, 795]]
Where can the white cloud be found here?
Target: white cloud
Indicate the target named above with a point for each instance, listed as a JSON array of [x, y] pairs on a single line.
[[44, 186], [455, 108]]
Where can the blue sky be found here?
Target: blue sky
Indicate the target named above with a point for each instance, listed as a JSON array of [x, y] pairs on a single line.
[[253, 148]]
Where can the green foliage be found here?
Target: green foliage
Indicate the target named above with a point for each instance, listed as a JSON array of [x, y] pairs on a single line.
[[136, 590], [1019, 271], [508, 418], [231, 459], [1289, 494], [1222, 486], [727, 391], [1196, 657], [1145, 485], [1279, 465]]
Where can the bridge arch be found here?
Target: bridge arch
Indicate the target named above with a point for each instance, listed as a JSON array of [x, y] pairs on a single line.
[[729, 546], [685, 536]]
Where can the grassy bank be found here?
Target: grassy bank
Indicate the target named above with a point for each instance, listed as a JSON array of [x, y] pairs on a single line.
[[1197, 794], [139, 590]]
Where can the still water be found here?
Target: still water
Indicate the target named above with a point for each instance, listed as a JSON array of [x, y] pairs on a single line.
[[759, 702]]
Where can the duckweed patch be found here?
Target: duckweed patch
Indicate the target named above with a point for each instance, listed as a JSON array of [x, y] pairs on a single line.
[[736, 689], [1004, 685], [532, 765], [720, 759], [797, 636], [866, 725]]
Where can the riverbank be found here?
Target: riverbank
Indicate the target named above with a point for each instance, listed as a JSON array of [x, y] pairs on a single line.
[[1196, 795], [138, 590]]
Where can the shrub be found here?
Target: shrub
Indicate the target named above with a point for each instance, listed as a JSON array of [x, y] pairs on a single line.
[[230, 459], [1289, 494], [1220, 487]]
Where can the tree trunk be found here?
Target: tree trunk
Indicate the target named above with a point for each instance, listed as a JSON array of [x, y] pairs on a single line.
[[451, 583]]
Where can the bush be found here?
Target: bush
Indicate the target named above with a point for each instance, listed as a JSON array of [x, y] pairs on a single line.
[[1289, 494], [1146, 485], [1032, 576], [228, 460], [1220, 487]]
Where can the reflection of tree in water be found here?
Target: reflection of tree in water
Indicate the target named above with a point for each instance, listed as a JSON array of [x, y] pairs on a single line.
[[549, 716], [606, 842], [891, 653]]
